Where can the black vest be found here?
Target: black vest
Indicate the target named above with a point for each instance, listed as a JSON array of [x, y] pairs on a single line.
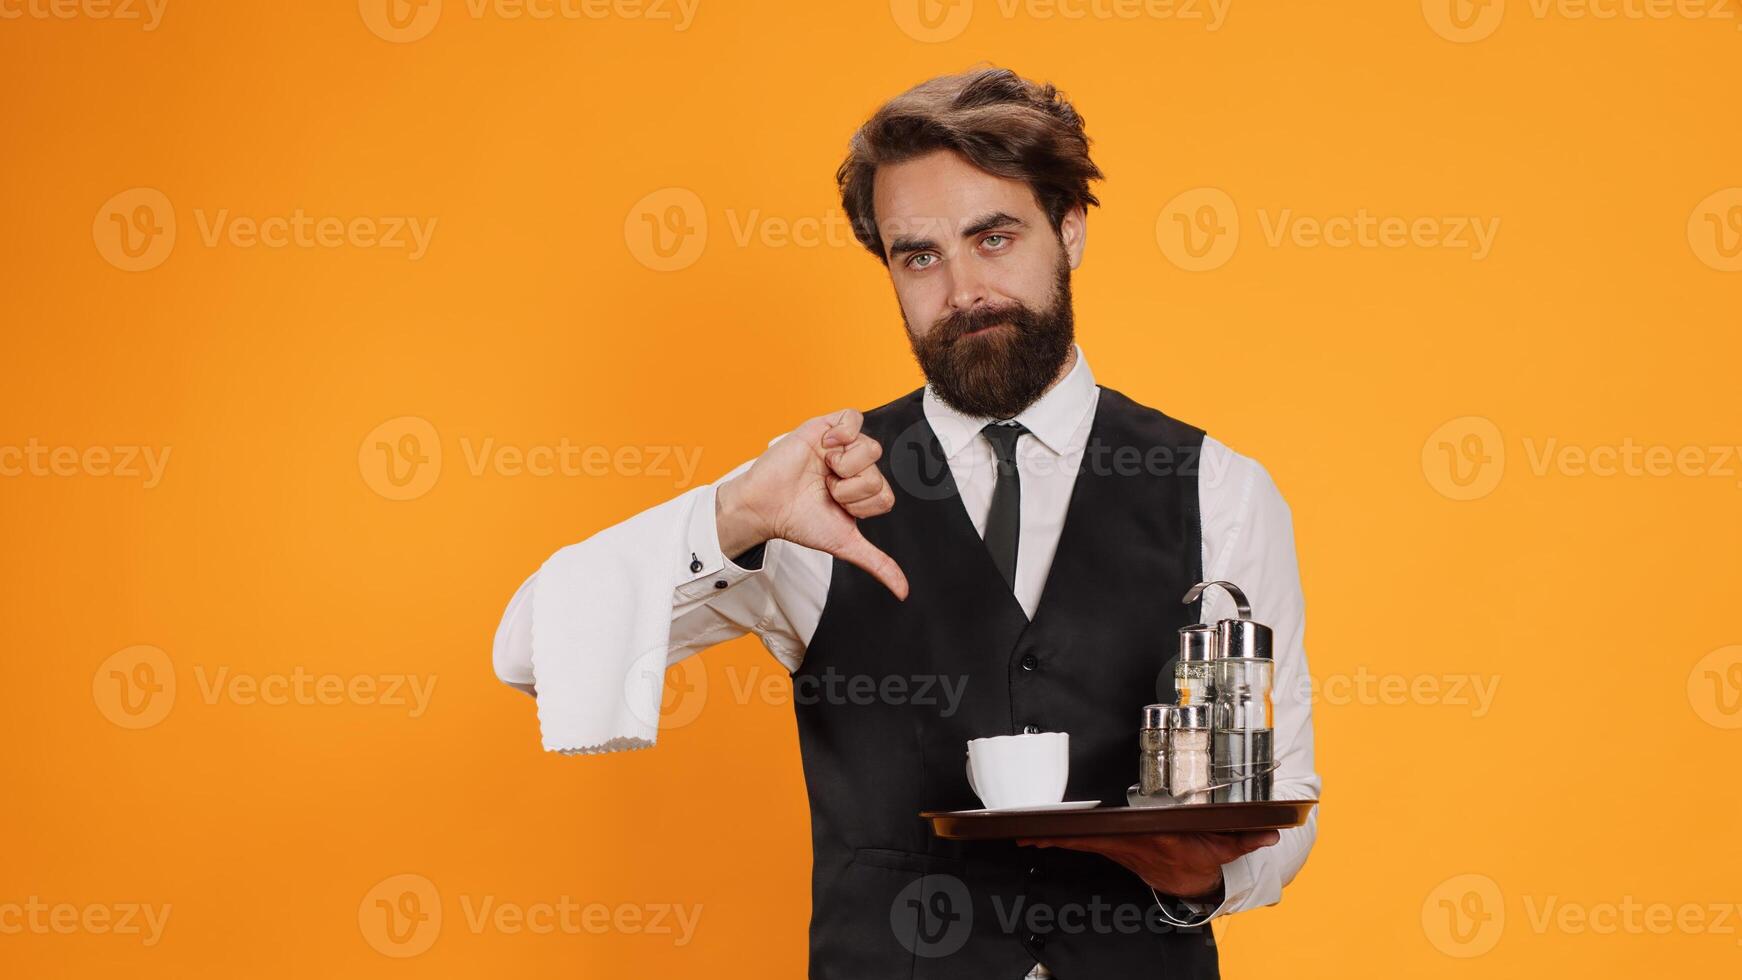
[[889, 693]]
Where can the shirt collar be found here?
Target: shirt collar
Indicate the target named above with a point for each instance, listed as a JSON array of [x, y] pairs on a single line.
[[1053, 418]]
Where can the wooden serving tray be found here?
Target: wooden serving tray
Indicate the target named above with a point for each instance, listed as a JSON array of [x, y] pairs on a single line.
[[1187, 818]]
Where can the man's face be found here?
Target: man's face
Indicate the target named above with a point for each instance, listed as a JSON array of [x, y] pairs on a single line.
[[982, 279]]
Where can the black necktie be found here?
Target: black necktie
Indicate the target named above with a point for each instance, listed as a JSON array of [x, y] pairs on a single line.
[[1005, 514]]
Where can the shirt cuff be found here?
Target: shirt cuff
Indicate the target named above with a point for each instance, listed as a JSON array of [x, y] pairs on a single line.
[[1237, 884], [1179, 912], [704, 569]]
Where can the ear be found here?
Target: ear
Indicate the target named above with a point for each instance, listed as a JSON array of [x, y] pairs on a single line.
[[1074, 233]]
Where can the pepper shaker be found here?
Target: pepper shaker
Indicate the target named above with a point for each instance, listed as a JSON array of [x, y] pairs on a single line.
[[1152, 759]]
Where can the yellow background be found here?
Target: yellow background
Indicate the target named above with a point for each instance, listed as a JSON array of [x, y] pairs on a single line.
[[1604, 607]]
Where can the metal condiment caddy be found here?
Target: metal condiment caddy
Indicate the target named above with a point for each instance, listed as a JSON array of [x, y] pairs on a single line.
[[1215, 744]]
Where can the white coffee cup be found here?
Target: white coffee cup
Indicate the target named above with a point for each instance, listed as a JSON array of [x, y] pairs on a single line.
[[1013, 771]]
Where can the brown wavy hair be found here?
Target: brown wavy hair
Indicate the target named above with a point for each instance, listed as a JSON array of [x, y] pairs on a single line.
[[1002, 123]]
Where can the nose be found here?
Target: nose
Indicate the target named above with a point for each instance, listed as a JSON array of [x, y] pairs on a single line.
[[967, 286]]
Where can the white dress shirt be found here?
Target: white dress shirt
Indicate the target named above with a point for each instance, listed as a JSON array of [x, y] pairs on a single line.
[[1247, 537]]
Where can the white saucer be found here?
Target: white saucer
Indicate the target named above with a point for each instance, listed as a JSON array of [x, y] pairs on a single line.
[[1039, 808]]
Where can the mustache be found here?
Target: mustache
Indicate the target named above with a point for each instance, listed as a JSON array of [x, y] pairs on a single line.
[[963, 322]]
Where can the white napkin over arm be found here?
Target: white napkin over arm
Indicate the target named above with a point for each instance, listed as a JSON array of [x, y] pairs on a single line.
[[601, 630], [591, 633]]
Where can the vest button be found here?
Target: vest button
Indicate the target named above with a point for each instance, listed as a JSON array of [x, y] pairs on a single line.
[[720, 584], [1029, 663], [1031, 729], [1036, 939]]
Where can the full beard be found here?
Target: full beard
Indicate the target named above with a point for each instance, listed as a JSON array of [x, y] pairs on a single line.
[[998, 373]]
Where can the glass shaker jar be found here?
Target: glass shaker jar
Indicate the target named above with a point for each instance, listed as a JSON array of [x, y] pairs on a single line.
[[1152, 759], [1244, 712], [1192, 680], [1243, 718], [1188, 753]]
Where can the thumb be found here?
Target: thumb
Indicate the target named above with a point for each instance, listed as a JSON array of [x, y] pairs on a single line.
[[869, 557]]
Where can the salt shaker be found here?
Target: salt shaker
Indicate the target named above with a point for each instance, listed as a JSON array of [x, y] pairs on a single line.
[[1188, 755]]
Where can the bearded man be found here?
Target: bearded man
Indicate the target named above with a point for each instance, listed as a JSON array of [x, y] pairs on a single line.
[[1011, 537]]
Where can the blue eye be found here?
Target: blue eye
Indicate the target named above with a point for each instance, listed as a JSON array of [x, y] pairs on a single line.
[[989, 238], [916, 258]]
